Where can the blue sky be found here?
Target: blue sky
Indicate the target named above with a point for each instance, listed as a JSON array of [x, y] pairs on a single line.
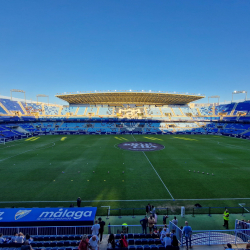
[[49, 47]]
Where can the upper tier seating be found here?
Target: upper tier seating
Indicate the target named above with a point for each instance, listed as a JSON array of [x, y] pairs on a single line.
[[11, 105], [32, 107], [51, 110], [243, 107]]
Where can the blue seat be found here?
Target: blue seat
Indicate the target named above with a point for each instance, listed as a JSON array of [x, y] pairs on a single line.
[[53, 244], [117, 236], [60, 243], [138, 242], [131, 242], [78, 237], [144, 242], [151, 241], [33, 244], [66, 243], [46, 238], [147, 247], [130, 236], [40, 238], [71, 237], [68, 248], [136, 236], [148, 236], [142, 236], [58, 238], [39, 244], [46, 244], [139, 247], [52, 238], [157, 241], [154, 247], [65, 237], [163, 247], [131, 247]]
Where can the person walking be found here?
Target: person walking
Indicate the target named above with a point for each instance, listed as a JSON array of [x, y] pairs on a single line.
[[101, 230], [95, 229], [78, 201], [144, 224], [187, 231], [151, 222], [226, 218]]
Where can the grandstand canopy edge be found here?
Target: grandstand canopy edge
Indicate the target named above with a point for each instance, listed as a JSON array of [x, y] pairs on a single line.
[[120, 98]]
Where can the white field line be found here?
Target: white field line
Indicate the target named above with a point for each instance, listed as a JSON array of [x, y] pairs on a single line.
[[29, 151], [156, 172], [215, 199]]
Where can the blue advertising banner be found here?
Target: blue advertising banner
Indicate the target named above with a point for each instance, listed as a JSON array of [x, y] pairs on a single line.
[[47, 216]]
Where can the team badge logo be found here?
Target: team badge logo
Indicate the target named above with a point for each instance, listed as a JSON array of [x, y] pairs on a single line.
[[140, 146], [21, 213]]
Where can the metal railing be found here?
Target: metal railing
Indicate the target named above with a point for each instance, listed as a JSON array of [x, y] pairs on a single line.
[[212, 237], [47, 230]]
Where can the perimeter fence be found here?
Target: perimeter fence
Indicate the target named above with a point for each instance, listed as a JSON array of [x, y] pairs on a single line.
[[120, 212]]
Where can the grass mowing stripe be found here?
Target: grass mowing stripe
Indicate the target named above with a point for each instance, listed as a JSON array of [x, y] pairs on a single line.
[[29, 151], [156, 172]]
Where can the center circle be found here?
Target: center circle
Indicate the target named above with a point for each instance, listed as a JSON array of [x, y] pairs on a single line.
[[140, 146]]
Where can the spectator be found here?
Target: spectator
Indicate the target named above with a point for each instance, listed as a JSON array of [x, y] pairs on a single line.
[[175, 242], [26, 246], [165, 219], [144, 224], [78, 201], [187, 231], [95, 228], [173, 234], [2, 239], [153, 211], [151, 222], [123, 242], [148, 209], [93, 242], [167, 240], [101, 230], [247, 245], [175, 221], [226, 218], [14, 237], [229, 246], [20, 238], [111, 241], [28, 238], [125, 228], [71, 205], [84, 243]]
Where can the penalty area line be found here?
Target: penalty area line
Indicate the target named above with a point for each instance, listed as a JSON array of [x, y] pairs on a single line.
[[156, 172]]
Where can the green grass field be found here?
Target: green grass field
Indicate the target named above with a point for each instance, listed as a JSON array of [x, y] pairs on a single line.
[[31, 171]]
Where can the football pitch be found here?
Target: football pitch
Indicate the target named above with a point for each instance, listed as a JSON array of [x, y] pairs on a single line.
[[54, 170]]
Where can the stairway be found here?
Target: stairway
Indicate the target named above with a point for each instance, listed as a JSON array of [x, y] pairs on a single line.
[[234, 107]]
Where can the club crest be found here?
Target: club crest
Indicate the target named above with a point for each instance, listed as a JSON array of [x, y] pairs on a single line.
[[21, 213]]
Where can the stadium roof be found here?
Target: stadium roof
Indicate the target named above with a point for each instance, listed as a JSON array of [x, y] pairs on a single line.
[[117, 98]]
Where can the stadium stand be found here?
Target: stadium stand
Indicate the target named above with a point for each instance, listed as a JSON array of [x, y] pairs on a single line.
[[27, 118]]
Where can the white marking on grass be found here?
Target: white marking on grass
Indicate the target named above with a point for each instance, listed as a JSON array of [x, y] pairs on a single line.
[[156, 172]]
